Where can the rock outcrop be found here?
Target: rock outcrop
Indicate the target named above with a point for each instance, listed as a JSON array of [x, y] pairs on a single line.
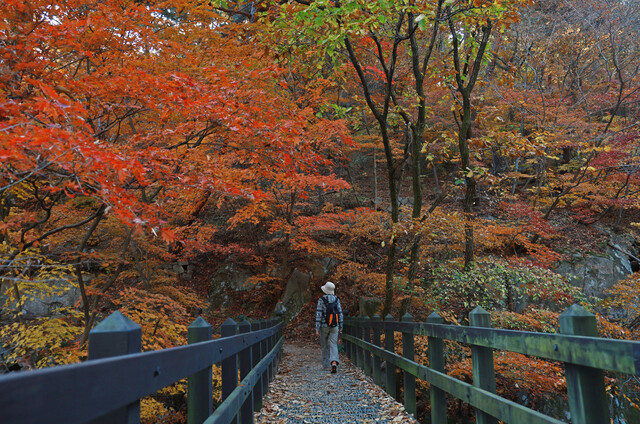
[[594, 273]]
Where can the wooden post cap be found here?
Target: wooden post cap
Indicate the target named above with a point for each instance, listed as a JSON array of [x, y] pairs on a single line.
[[434, 318]]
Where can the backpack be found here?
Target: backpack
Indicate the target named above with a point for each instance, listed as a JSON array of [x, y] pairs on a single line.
[[330, 312]]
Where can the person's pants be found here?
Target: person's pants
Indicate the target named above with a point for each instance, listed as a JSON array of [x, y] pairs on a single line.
[[329, 345]]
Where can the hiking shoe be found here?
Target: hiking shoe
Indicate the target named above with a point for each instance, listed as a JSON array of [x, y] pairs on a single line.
[[334, 369]]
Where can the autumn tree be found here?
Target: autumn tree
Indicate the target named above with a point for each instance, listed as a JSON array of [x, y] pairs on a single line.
[[573, 96], [119, 123]]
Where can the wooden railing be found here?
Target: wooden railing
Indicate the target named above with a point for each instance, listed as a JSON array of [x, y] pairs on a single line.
[[584, 354], [107, 388]]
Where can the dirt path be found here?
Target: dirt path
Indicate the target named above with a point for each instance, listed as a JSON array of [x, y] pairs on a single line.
[[304, 392]]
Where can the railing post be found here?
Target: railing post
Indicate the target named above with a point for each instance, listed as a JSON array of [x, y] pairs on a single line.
[[272, 343], [585, 385], [358, 334], [345, 331], [116, 335], [244, 361], [367, 338], [264, 350], [390, 345], [377, 372], [436, 363], [230, 365], [348, 329], [483, 368], [352, 346], [275, 337], [255, 358], [409, 379], [199, 384], [269, 345], [278, 337]]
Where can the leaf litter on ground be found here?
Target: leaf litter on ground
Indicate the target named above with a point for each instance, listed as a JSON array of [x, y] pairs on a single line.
[[304, 392]]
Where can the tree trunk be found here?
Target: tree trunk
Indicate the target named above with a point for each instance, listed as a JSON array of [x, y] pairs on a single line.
[[393, 194], [469, 179]]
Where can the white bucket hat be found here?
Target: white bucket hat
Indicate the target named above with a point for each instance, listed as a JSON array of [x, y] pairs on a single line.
[[328, 288]]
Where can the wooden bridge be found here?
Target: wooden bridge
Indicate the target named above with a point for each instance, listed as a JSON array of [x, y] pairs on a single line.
[[585, 356], [107, 387]]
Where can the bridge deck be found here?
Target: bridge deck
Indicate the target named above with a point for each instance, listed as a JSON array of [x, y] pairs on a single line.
[[303, 392]]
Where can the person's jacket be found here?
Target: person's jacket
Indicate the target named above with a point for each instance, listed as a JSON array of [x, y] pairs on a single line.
[[321, 309]]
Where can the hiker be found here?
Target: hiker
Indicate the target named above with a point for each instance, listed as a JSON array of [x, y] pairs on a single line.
[[329, 325]]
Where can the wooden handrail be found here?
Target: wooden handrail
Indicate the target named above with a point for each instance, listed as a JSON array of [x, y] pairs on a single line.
[[491, 403], [83, 392], [585, 357], [232, 404], [596, 352]]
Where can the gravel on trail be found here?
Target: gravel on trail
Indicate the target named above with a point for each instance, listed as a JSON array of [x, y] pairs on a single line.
[[303, 392]]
